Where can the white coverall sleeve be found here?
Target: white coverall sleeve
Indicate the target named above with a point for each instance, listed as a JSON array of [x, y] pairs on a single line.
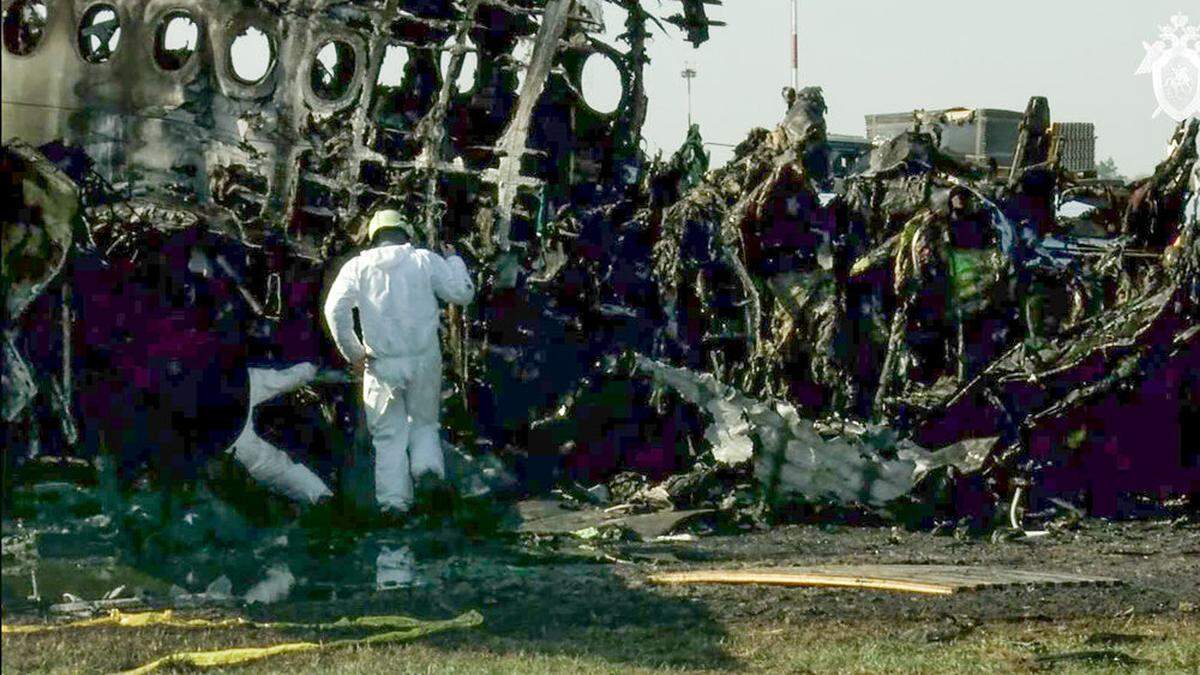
[[451, 281], [343, 297]]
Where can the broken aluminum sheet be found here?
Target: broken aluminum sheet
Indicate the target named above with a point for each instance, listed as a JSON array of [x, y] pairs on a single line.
[[793, 462], [34, 253], [1076, 208], [550, 517], [512, 144], [17, 382]]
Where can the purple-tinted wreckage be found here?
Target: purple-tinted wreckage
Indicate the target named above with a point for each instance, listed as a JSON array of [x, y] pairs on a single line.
[[924, 335]]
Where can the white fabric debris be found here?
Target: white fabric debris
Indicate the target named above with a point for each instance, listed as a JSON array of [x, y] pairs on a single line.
[[266, 463], [275, 587]]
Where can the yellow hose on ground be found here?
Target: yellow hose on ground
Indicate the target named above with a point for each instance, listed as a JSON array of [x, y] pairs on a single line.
[[399, 629], [134, 620]]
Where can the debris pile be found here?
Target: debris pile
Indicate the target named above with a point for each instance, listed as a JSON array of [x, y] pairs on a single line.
[[930, 330]]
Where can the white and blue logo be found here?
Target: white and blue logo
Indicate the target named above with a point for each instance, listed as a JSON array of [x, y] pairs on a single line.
[[1174, 62]]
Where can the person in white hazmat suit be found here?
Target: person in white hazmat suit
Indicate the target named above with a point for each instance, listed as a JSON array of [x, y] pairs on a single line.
[[396, 288]]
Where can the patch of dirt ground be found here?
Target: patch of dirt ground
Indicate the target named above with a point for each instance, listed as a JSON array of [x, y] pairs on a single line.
[[565, 611]]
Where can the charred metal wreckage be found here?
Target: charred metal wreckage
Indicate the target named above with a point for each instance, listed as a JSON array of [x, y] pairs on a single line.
[[929, 333]]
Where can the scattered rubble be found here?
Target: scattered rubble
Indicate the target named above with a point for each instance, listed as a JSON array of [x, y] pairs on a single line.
[[549, 518]]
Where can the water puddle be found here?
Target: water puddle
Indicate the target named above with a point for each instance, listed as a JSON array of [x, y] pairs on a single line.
[[65, 558]]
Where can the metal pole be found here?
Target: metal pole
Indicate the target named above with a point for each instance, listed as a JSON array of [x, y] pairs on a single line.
[[796, 45], [68, 320], [689, 88], [689, 74]]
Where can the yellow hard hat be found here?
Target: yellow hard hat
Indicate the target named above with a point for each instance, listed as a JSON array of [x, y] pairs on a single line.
[[388, 218]]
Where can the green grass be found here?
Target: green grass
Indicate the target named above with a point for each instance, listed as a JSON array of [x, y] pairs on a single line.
[[1162, 644]]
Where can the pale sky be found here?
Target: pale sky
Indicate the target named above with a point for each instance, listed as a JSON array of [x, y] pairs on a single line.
[[875, 56], [881, 56]]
